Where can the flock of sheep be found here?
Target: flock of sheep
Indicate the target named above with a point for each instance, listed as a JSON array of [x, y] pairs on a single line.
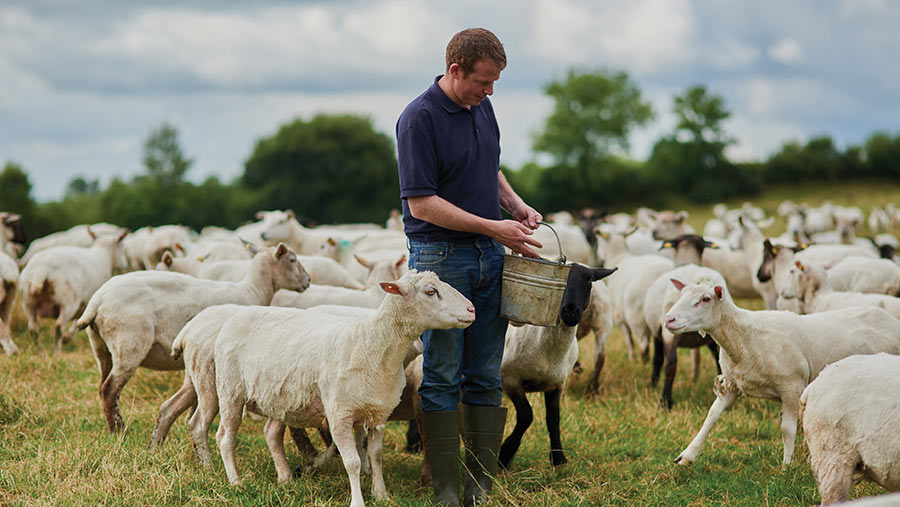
[[318, 327]]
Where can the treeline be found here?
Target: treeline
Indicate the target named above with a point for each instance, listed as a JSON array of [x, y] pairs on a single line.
[[338, 168]]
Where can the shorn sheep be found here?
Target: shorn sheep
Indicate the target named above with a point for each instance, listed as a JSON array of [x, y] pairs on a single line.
[[307, 368], [538, 359], [774, 354], [133, 318], [850, 415], [9, 277]]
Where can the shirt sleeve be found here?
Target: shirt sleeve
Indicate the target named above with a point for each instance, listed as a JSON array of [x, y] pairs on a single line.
[[416, 160]]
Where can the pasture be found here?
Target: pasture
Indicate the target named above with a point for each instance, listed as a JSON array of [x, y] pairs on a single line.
[[55, 447]]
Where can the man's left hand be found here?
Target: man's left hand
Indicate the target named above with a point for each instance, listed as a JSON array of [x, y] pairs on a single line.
[[527, 216]]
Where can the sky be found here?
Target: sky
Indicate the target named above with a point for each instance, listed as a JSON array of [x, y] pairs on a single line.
[[83, 83]]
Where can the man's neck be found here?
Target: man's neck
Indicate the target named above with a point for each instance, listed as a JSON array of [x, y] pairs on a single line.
[[447, 88]]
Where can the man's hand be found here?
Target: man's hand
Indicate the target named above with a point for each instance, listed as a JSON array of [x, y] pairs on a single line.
[[516, 236], [527, 216]]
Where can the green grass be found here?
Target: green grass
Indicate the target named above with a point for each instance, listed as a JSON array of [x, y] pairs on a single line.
[[55, 448]]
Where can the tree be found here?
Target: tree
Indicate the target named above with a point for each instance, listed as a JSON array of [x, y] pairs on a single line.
[[163, 156], [80, 186], [15, 189], [333, 168], [593, 114], [691, 160]]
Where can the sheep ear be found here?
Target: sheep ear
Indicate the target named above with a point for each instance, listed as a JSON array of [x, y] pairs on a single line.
[[248, 246], [400, 261], [365, 263], [331, 241], [601, 273], [290, 213], [720, 292], [179, 247], [203, 258], [708, 244], [394, 288], [281, 250], [666, 244], [122, 236], [682, 216], [91, 233], [677, 283], [765, 224], [800, 265], [260, 215], [167, 258]]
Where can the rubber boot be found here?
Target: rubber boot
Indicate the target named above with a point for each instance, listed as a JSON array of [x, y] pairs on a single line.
[[442, 453], [483, 432]]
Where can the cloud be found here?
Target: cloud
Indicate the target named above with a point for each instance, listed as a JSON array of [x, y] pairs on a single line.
[[787, 51]]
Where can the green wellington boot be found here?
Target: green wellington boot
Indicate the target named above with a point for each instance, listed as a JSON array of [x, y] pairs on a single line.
[[442, 453], [483, 431]]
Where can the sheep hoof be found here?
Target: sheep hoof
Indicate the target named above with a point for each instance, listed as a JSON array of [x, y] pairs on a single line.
[[683, 461]]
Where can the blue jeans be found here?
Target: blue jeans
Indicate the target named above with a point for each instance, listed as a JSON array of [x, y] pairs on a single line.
[[465, 361]]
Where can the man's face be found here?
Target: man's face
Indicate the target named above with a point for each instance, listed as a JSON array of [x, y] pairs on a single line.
[[471, 89]]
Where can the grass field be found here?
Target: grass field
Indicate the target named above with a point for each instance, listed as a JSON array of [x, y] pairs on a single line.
[[55, 448]]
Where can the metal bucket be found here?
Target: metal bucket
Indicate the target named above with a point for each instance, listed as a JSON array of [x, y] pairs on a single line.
[[532, 289]]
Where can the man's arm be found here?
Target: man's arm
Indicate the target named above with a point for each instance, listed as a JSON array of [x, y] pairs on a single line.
[[515, 206], [438, 211]]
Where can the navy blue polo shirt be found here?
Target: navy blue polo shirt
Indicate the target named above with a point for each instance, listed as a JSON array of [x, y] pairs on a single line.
[[450, 151]]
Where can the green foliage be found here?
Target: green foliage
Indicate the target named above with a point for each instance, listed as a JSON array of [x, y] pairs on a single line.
[[163, 156], [594, 112], [329, 169]]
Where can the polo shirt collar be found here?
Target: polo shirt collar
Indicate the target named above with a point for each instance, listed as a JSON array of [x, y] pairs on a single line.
[[442, 98]]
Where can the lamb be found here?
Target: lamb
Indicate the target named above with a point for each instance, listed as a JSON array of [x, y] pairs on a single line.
[[322, 270], [538, 359], [61, 279], [774, 354], [809, 284], [851, 425], [328, 295], [133, 318], [659, 298], [9, 279], [310, 368]]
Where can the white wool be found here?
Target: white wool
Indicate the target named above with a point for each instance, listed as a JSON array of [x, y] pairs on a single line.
[[133, 318], [371, 297], [598, 319], [303, 367], [574, 245], [864, 274], [66, 277], [851, 424], [809, 283], [775, 354], [75, 236], [9, 279]]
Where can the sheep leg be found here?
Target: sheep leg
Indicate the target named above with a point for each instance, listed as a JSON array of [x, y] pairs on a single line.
[[833, 468], [790, 407], [343, 435], [413, 438], [376, 455], [714, 349], [361, 451], [658, 358], [207, 408], [109, 395], [695, 364], [6, 339], [599, 359], [629, 345], [101, 353], [724, 398], [66, 314], [229, 422], [551, 403], [185, 398], [524, 417], [670, 346], [29, 307], [301, 440], [274, 432]]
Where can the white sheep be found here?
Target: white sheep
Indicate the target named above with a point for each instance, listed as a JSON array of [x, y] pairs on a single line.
[[61, 279], [809, 285], [774, 354], [133, 318], [9, 279], [539, 359], [12, 235], [371, 297], [864, 274], [308, 368], [322, 270], [850, 420], [75, 236], [597, 318]]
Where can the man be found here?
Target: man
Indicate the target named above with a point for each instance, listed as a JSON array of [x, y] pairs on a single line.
[[452, 190]]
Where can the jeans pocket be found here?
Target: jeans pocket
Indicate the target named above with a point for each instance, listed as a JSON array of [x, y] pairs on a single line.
[[427, 256]]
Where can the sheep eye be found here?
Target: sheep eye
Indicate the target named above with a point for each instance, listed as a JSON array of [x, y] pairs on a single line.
[[430, 291]]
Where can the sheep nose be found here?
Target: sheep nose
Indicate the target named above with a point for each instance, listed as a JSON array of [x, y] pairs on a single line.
[[470, 309], [670, 321], [263, 236]]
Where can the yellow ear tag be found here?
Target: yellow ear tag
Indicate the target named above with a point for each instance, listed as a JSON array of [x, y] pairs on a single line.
[[247, 246]]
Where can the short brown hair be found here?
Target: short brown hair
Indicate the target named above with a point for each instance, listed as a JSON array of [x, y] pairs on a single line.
[[473, 44]]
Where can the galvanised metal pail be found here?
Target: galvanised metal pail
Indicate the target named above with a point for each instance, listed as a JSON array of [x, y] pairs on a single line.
[[532, 289]]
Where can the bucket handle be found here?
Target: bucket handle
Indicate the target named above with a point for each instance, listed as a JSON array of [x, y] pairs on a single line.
[[562, 256]]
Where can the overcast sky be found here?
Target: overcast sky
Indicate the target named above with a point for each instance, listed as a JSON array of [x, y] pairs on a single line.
[[82, 83]]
